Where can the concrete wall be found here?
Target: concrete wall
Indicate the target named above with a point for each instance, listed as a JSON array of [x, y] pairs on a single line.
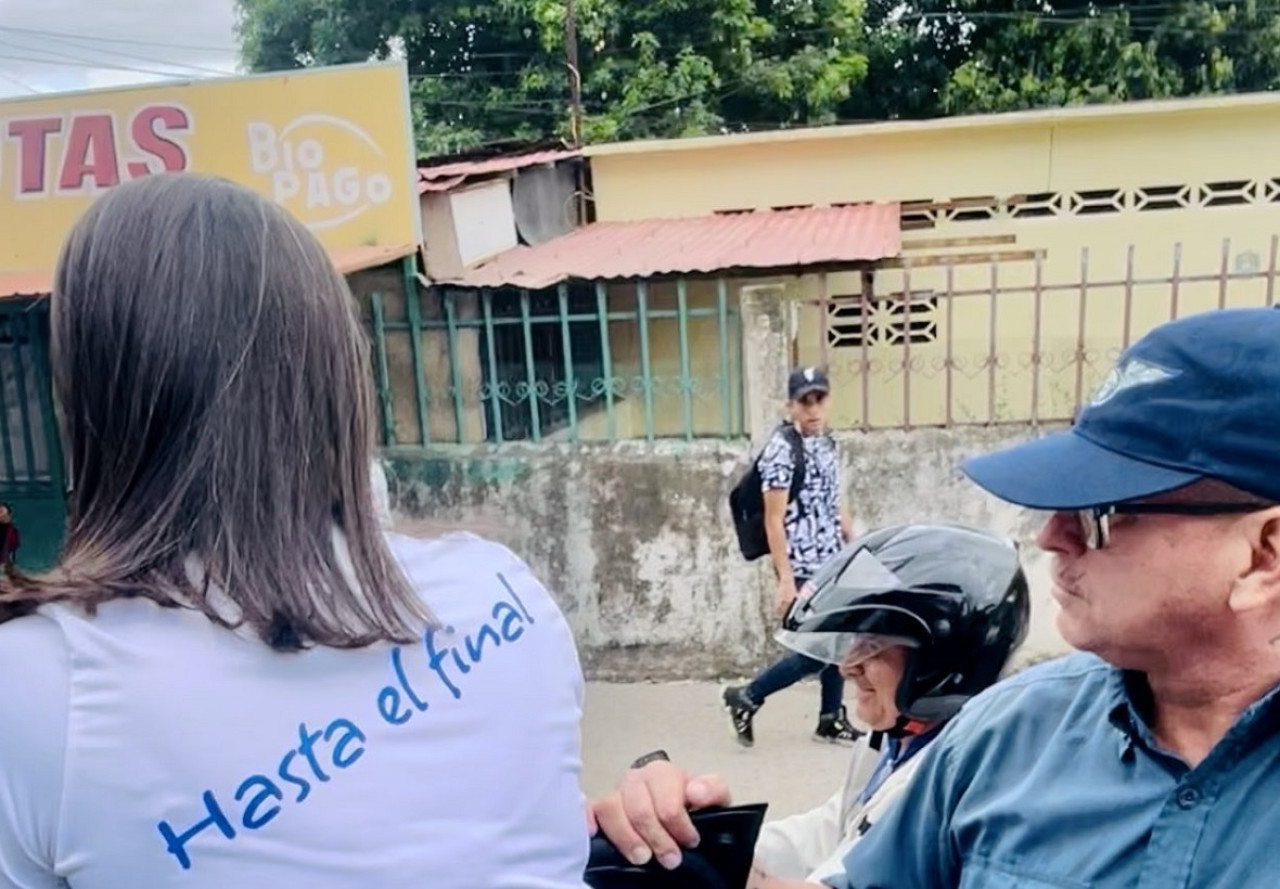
[[635, 541]]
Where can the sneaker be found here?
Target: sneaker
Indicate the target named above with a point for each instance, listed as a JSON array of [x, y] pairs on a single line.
[[741, 710], [834, 728]]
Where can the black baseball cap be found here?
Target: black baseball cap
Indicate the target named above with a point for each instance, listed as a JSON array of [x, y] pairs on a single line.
[[804, 380]]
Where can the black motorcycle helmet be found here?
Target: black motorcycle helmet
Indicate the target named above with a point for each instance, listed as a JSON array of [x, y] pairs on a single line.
[[955, 596]]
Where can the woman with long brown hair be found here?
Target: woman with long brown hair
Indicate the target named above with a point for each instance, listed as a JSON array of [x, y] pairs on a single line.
[[232, 678]]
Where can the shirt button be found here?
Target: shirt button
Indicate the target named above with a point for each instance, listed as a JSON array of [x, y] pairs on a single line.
[[1188, 797]]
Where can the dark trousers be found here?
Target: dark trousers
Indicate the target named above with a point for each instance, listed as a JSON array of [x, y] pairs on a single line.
[[793, 667], [789, 670]]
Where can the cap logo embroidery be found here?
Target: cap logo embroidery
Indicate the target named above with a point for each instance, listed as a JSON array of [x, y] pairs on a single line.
[[1129, 375], [808, 374]]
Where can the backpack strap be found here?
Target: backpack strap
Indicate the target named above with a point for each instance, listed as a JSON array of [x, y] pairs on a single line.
[[796, 440]]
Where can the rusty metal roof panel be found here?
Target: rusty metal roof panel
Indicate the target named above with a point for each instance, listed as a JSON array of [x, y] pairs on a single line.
[[18, 284], [779, 239], [447, 176], [445, 183], [357, 259]]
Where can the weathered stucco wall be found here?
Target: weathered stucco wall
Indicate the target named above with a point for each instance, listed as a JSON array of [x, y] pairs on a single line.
[[635, 540]]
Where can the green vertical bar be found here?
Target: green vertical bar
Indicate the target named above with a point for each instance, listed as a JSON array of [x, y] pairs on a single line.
[[531, 377], [722, 318], [646, 372], [491, 345], [686, 383], [384, 386], [742, 401], [44, 394], [606, 357], [451, 326], [19, 321], [414, 308], [565, 340], [6, 434]]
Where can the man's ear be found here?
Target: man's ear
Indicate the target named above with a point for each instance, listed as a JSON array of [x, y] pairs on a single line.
[[1259, 587]]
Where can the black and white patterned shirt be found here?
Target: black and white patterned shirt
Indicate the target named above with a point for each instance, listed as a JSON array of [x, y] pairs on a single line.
[[812, 520]]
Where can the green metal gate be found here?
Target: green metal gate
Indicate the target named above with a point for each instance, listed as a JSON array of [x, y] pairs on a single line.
[[31, 467]]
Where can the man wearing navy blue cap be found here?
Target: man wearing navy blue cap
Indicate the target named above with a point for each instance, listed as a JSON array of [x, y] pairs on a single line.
[[1152, 760], [806, 521]]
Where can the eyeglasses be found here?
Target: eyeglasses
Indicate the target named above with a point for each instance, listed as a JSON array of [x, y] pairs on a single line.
[[1095, 523]]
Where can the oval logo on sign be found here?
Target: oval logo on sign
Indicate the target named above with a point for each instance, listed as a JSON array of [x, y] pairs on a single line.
[[323, 169]]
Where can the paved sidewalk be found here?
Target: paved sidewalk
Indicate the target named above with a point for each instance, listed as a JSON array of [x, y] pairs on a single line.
[[785, 768]]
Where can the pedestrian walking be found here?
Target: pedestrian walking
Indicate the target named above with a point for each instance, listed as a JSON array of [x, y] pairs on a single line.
[[805, 524]]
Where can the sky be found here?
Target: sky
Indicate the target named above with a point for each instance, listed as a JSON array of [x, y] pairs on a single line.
[[62, 45]]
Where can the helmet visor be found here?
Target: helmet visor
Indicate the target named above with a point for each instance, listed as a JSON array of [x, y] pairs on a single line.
[[849, 649]]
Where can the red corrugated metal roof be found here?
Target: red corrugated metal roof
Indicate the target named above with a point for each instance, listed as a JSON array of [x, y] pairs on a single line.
[[446, 176], [357, 259], [18, 284], [349, 261], [779, 239], [448, 183]]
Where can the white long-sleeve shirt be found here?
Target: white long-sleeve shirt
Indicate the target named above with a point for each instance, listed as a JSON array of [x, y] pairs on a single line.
[[811, 846], [147, 748]]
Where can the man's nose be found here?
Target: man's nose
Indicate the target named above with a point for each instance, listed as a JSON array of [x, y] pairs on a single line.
[[1062, 534]]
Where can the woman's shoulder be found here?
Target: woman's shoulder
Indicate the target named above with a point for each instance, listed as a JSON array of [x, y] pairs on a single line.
[[34, 642], [451, 545], [35, 649], [34, 668], [461, 575], [457, 560], [35, 685]]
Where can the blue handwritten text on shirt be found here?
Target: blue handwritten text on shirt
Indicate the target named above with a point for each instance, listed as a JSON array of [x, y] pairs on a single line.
[[319, 755]]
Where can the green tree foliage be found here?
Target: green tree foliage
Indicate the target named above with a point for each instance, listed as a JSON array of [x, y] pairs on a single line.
[[999, 55], [495, 70], [489, 71]]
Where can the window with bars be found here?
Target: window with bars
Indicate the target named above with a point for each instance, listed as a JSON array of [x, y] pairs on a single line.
[[889, 320]]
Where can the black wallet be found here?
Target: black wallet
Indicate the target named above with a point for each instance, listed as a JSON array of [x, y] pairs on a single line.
[[721, 861]]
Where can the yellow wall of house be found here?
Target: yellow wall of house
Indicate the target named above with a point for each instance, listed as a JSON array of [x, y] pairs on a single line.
[[892, 163], [1150, 181]]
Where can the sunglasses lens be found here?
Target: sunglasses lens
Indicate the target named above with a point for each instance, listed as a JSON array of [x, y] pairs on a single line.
[[1092, 531]]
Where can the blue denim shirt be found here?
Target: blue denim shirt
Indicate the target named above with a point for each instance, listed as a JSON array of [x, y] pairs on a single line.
[[1051, 780]]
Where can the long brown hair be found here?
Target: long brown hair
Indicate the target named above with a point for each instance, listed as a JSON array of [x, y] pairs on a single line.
[[215, 405]]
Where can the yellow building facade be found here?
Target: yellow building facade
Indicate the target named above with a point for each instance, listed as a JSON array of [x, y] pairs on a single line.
[[1036, 244]]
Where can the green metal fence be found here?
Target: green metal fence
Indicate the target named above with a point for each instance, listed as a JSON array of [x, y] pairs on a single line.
[[31, 472], [585, 361]]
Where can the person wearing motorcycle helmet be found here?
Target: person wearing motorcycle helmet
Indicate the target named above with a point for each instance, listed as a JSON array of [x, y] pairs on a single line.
[[920, 618]]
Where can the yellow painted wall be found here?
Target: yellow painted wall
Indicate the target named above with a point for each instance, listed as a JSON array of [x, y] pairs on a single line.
[[1102, 185], [940, 160]]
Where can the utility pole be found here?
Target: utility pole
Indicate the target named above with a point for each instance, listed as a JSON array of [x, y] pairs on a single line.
[[575, 106], [575, 74]]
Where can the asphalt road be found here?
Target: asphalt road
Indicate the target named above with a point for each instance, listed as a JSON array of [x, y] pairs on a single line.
[[785, 768]]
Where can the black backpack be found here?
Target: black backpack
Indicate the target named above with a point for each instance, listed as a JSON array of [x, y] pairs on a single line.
[[746, 500]]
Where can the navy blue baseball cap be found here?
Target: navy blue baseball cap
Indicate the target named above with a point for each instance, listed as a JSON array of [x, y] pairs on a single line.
[[1197, 398], [804, 380]]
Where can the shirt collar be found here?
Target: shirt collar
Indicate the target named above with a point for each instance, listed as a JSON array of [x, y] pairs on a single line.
[[902, 749], [1128, 697], [1129, 705]]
